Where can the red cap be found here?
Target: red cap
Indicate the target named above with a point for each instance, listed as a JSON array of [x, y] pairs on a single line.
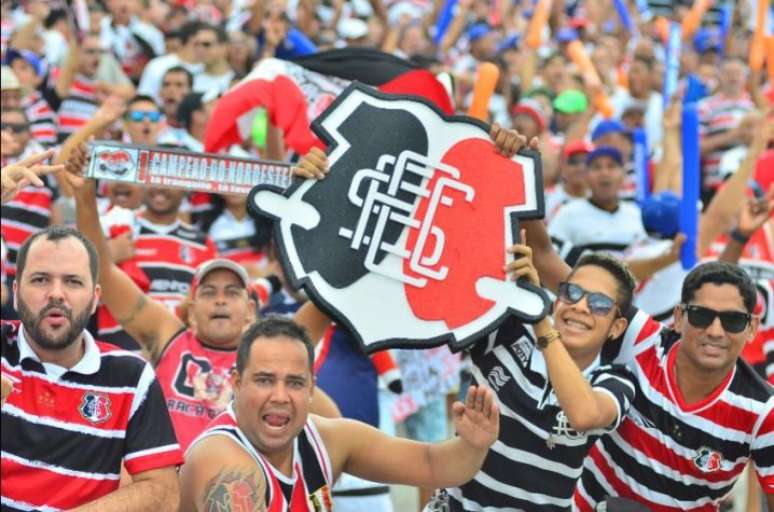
[[576, 146]]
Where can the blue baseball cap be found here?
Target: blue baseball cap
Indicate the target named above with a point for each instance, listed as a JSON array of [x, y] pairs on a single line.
[[708, 39], [566, 34], [607, 126], [661, 214], [477, 31], [599, 151], [509, 43], [37, 63]]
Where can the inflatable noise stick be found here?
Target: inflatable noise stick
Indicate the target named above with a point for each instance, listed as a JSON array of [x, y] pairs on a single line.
[[758, 43], [486, 81], [581, 59], [770, 57], [692, 20], [539, 20]]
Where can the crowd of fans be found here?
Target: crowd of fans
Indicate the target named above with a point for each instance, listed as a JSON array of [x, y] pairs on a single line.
[[182, 275]]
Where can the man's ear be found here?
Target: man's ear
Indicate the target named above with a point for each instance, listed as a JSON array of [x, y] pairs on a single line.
[[618, 327], [16, 294], [678, 319], [755, 322], [97, 295], [252, 312], [236, 380]]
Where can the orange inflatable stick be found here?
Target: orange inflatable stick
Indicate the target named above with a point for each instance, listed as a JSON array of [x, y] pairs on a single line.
[[486, 81], [581, 59], [537, 23]]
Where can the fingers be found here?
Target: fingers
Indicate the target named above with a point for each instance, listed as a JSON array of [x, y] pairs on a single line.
[[35, 159], [488, 402], [30, 177], [40, 170], [314, 165]]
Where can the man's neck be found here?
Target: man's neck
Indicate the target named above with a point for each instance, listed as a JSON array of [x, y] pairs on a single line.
[[66, 358], [162, 219], [574, 190], [610, 205], [237, 211], [582, 358], [217, 68], [696, 384]]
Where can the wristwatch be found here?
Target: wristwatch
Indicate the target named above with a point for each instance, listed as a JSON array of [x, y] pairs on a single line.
[[544, 341]]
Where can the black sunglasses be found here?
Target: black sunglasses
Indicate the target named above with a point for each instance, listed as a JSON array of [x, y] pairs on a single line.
[[14, 127], [701, 318], [599, 303]]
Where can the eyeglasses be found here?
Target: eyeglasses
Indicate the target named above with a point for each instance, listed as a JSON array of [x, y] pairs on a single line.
[[205, 44], [137, 116], [14, 127], [732, 321], [599, 303]]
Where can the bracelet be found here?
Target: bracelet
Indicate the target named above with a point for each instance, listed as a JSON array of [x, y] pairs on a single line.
[[738, 236], [544, 341]]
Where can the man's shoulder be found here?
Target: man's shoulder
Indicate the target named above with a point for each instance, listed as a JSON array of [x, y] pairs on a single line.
[[749, 386]]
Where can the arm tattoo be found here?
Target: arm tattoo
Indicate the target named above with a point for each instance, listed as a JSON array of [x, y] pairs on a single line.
[[138, 306], [235, 490]]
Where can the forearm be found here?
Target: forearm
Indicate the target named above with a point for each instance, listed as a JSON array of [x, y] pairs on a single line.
[[452, 463], [67, 74], [580, 403], [732, 251], [454, 31], [721, 140], [669, 174], [138, 496], [551, 268], [87, 219], [645, 268]]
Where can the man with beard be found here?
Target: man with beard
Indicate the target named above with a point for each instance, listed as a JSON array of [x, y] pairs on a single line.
[[192, 359], [78, 408]]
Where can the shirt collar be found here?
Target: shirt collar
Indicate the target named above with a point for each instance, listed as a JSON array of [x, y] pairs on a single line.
[[88, 365]]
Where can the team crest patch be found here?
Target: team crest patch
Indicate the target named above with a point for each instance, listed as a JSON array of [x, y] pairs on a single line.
[[405, 241], [95, 407], [707, 459], [115, 163], [321, 500]]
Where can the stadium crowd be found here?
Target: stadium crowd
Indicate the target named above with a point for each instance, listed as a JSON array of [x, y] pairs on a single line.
[[156, 357]]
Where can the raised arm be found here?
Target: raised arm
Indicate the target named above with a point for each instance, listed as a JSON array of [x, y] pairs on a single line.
[[586, 408], [147, 321], [366, 452]]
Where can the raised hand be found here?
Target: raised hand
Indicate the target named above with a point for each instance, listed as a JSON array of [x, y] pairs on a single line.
[[75, 167], [477, 422], [509, 142], [111, 110], [314, 165], [26, 172], [522, 266], [755, 213]]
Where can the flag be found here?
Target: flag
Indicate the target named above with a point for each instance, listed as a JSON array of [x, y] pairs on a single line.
[[294, 93]]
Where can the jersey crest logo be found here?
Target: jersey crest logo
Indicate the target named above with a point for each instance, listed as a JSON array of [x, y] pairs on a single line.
[[498, 378], [707, 459], [115, 163], [95, 407], [405, 240]]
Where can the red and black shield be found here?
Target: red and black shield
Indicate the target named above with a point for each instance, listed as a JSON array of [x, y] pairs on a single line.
[[405, 241]]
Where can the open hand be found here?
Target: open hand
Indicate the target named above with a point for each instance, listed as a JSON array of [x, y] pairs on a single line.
[[26, 172], [522, 266], [755, 213], [676, 247], [314, 165], [509, 142], [477, 422]]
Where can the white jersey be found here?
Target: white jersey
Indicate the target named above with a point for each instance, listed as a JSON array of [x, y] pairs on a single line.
[[581, 226]]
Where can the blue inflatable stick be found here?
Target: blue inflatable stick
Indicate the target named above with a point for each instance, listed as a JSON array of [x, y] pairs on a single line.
[[689, 213]]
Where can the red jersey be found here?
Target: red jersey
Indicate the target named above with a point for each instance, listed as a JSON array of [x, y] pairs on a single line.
[[195, 381], [308, 490]]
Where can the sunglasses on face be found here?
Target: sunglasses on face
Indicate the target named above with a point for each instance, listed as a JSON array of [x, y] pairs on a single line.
[[14, 127], [138, 116], [732, 321], [599, 303]]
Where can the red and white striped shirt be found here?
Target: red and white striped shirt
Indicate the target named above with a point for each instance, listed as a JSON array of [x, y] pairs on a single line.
[[671, 455], [42, 118], [66, 432], [78, 107], [719, 114]]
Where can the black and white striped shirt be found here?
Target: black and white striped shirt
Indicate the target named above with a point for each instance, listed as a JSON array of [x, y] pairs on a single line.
[[538, 457]]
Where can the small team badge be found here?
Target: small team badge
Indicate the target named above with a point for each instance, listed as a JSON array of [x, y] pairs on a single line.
[[95, 407], [707, 459], [116, 163]]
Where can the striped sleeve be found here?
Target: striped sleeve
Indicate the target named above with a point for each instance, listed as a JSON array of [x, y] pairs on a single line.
[[150, 439], [617, 382], [762, 449]]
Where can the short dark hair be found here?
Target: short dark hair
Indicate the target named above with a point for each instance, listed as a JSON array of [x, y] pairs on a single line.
[[272, 326], [188, 30], [180, 69], [616, 268], [220, 34], [54, 234], [140, 98], [647, 61], [190, 103], [720, 272]]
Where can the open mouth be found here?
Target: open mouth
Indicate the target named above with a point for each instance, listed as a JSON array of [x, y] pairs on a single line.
[[55, 317], [276, 421]]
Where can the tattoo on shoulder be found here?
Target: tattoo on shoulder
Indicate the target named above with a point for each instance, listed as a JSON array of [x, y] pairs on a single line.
[[138, 306], [235, 490]]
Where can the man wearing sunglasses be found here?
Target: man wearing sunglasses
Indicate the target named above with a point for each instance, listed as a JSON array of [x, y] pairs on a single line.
[[700, 412], [142, 120]]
